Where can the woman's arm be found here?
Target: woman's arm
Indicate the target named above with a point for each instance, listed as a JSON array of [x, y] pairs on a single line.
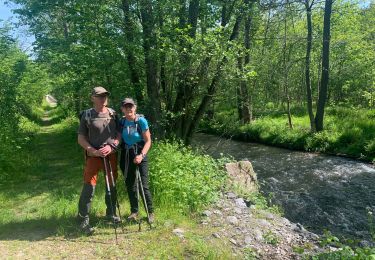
[[147, 138]]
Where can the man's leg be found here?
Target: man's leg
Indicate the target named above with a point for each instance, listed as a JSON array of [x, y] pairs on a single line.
[[90, 174], [111, 200]]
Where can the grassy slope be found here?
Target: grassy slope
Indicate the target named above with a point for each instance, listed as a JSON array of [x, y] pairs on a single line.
[[39, 203], [348, 132]]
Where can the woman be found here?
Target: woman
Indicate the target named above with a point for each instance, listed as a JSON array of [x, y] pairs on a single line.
[[136, 141]]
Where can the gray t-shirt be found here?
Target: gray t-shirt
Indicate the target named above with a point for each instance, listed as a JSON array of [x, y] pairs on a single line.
[[99, 128]]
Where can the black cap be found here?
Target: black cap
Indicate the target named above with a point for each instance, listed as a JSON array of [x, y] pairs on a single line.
[[128, 101]]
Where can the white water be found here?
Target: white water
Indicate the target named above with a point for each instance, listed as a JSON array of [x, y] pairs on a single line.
[[318, 191]]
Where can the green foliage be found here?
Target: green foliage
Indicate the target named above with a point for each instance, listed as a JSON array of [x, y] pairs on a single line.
[[349, 131], [347, 252], [270, 238], [183, 179]]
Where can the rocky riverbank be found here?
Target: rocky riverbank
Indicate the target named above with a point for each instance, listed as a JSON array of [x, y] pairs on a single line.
[[257, 233]]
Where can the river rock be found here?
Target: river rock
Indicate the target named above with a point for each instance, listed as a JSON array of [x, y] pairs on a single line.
[[258, 234], [240, 203], [241, 173], [248, 240], [179, 232], [207, 213], [231, 195], [218, 212], [237, 211], [232, 220]]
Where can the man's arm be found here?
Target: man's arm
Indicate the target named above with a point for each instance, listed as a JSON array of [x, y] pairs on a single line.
[[82, 141]]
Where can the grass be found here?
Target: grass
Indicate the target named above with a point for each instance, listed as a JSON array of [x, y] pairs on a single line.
[[348, 132], [39, 205]]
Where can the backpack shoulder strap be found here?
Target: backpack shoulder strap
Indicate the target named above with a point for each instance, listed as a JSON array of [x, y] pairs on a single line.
[[88, 114], [112, 112], [137, 117]]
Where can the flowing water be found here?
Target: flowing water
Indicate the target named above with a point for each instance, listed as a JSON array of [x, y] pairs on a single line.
[[318, 191]]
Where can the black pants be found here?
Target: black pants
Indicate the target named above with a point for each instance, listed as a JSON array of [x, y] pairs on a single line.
[[128, 168], [87, 195]]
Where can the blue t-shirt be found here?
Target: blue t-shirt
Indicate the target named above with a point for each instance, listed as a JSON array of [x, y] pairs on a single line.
[[130, 134]]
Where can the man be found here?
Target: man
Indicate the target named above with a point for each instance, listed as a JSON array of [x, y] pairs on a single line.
[[99, 135]]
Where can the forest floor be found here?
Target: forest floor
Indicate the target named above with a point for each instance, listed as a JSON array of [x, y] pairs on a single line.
[[37, 217]]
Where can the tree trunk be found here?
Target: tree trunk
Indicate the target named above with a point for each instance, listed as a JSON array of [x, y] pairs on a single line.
[[151, 62], [325, 67], [131, 59], [286, 72], [211, 89], [307, 65], [246, 114]]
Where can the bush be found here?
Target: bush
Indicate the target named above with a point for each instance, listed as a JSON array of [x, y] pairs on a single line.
[[183, 179]]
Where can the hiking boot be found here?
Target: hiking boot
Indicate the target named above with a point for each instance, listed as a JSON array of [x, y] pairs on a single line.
[[85, 227], [113, 218], [151, 218], [133, 217]]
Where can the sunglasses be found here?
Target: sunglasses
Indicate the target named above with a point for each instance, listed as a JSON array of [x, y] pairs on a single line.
[[128, 105]]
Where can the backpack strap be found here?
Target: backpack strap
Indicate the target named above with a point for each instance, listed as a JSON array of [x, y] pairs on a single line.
[[137, 125]]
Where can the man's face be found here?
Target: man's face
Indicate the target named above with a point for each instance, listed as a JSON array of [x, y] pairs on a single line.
[[100, 100]]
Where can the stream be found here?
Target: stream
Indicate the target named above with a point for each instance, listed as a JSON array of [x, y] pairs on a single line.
[[318, 191]]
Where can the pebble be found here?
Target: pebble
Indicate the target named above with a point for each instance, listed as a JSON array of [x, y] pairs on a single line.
[[207, 213], [233, 241], [231, 195], [218, 212], [237, 211], [248, 240], [179, 232], [216, 235], [240, 203], [232, 220]]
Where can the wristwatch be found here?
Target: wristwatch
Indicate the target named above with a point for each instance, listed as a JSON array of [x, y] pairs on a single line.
[[143, 155]]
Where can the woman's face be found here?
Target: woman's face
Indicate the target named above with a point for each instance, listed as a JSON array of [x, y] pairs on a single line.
[[129, 110]]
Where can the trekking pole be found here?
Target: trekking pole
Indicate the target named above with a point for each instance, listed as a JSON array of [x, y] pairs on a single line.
[[114, 186], [140, 185], [137, 185], [109, 193]]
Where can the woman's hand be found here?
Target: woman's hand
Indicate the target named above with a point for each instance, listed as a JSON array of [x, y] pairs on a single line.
[[138, 159]]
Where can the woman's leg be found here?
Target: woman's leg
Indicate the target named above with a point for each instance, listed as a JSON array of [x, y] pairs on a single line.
[[143, 169]]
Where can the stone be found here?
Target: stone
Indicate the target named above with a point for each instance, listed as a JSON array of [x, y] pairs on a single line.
[[216, 235], [232, 220], [233, 241], [263, 223], [240, 203], [237, 210], [207, 213], [248, 240], [269, 216], [258, 235], [218, 212], [231, 195], [179, 232], [242, 174]]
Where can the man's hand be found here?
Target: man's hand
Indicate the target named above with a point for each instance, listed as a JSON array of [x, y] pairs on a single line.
[[104, 151]]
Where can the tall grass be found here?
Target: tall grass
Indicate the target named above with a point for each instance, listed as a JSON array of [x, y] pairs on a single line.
[[183, 179]]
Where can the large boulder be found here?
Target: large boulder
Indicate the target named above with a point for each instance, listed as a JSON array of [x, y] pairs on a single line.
[[242, 174]]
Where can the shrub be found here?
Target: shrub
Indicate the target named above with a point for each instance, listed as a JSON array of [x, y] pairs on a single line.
[[183, 179]]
